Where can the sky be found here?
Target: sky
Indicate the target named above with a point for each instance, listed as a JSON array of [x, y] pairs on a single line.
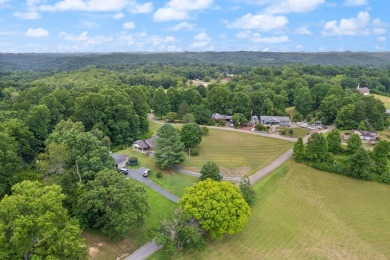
[[194, 25]]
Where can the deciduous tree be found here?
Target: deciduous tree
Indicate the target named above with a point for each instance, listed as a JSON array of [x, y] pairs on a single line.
[[299, 150], [112, 204], [191, 135], [35, 225], [354, 143], [218, 206], [334, 141], [316, 147]]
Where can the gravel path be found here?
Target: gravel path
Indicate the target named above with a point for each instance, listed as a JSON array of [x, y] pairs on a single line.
[[144, 252]]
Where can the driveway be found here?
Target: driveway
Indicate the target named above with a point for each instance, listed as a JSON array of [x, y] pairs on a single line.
[[137, 175]]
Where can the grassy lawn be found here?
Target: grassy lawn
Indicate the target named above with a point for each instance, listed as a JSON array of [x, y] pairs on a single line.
[[237, 154], [291, 111], [102, 248], [302, 213], [384, 99], [297, 131]]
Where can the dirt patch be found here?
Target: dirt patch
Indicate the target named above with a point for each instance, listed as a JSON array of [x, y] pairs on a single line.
[[238, 172], [93, 252]]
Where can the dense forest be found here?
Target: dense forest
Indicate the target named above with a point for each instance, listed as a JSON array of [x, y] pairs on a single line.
[[49, 62], [58, 124]]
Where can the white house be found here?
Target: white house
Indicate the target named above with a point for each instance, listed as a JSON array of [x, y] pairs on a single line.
[[275, 120], [120, 160]]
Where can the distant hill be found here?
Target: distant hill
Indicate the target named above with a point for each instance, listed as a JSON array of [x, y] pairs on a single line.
[[74, 61]]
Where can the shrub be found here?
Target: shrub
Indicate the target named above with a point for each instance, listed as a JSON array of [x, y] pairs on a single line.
[[159, 175], [205, 130], [290, 131], [194, 152], [283, 132], [260, 127]]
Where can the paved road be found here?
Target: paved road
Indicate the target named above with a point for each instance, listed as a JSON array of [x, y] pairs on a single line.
[[137, 175], [196, 174], [144, 252]]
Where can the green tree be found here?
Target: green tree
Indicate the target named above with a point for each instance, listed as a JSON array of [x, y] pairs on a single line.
[[317, 147], [239, 119], [210, 170], [218, 99], [191, 135], [160, 103], [35, 225], [38, 120], [218, 206], [354, 143], [303, 101], [189, 118], [360, 165], [247, 191], [201, 113], [328, 109], [381, 156], [299, 150], [112, 204], [345, 117], [334, 141], [180, 231], [169, 148], [9, 163]]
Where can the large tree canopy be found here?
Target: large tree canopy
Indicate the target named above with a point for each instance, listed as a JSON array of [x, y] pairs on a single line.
[[113, 204], [35, 225], [191, 135], [218, 206]]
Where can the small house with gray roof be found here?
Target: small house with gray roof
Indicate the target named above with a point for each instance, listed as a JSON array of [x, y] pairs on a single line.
[[144, 145], [275, 120]]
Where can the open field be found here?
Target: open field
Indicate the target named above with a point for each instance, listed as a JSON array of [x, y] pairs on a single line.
[[237, 154], [291, 111], [101, 248], [384, 99], [302, 213]]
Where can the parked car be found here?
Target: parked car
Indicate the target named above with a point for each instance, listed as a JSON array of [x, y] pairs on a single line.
[[123, 170], [146, 172]]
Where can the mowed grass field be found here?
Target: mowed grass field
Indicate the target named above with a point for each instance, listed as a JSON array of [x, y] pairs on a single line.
[[237, 154], [302, 213], [384, 99]]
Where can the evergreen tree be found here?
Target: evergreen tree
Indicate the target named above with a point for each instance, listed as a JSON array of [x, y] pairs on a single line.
[[210, 170], [169, 148], [299, 150]]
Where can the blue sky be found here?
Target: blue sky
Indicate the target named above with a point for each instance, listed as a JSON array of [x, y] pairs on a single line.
[[193, 25]]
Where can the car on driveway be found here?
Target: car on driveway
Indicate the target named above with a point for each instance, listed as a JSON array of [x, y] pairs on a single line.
[[123, 170], [146, 172]]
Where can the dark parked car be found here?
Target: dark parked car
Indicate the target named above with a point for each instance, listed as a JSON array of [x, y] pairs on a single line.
[[123, 170]]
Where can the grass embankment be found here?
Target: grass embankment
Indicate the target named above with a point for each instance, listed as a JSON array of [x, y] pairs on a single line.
[[308, 214], [101, 248], [291, 111], [384, 99], [237, 154]]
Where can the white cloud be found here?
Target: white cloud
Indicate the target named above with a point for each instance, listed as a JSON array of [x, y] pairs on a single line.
[[142, 41], [257, 38], [169, 14], [351, 26], [128, 25], [303, 31], [28, 15], [293, 6], [118, 16], [85, 39], [381, 39], [2, 2], [180, 9], [37, 32], [356, 2], [183, 26], [136, 8], [98, 6], [260, 22], [201, 40]]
